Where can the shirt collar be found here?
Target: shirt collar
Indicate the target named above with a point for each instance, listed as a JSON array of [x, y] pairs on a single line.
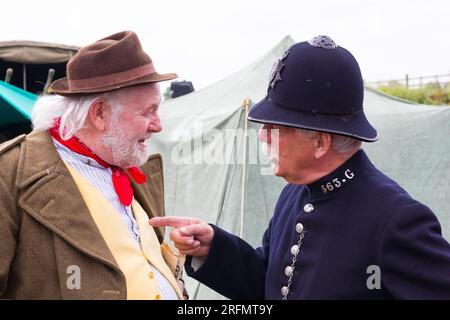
[[343, 176], [79, 157]]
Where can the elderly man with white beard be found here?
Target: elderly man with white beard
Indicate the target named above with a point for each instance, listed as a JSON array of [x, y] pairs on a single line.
[[77, 193]]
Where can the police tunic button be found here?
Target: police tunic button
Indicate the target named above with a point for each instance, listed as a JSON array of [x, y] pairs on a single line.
[[288, 271], [308, 208], [285, 291], [295, 250], [299, 228]]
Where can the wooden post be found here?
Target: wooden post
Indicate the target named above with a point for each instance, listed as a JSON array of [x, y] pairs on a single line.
[[8, 76], [407, 81], [50, 75], [24, 74]]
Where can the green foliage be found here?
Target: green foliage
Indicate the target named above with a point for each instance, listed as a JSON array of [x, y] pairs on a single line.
[[431, 93], [167, 94]]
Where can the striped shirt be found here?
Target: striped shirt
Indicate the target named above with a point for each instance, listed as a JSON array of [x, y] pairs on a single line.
[[101, 178]]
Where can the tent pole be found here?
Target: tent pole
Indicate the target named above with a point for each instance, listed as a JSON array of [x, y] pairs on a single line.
[[50, 75], [24, 74], [9, 73], [245, 106]]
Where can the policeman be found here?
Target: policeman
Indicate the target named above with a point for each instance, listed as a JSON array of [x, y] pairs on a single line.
[[341, 229]]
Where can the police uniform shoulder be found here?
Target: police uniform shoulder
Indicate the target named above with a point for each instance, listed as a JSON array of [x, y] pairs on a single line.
[[393, 195], [5, 146], [412, 207], [413, 222]]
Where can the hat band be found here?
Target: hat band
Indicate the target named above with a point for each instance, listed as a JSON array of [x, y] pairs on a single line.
[[314, 112], [112, 79]]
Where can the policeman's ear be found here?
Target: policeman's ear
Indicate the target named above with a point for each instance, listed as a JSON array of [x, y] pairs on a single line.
[[99, 114], [322, 144]]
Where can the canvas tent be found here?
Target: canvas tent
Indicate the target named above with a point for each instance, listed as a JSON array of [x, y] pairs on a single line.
[[28, 68], [202, 127], [31, 62]]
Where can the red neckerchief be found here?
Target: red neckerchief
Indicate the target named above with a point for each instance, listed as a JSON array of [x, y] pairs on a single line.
[[120, 179]]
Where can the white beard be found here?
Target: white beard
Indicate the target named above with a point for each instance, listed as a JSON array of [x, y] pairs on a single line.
[[126, 151]]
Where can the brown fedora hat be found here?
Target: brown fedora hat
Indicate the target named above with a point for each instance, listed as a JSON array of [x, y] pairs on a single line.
[[108, 64]]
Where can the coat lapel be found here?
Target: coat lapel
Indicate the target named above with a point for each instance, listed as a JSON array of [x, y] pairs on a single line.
[[49, 194], [152, 201]]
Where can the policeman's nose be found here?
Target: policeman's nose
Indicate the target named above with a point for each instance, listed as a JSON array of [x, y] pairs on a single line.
[[155, 123], [264, 133]]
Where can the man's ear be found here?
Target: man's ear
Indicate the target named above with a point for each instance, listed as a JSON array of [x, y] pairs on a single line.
[[99, 114], [322, 144]]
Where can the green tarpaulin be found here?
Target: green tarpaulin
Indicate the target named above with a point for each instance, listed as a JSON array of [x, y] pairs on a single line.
[[15, 111], [15, 104]]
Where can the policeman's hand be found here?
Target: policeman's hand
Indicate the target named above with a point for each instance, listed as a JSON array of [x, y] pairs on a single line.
[[191, 236]]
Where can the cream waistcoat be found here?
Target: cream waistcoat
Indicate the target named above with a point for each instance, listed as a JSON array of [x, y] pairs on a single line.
[[140, 281]]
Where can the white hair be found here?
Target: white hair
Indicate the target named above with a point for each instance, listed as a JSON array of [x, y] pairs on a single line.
[[340, 144], [72, 110]]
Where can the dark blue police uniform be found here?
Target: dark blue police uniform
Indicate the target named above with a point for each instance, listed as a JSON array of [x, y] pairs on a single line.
[[354, 233], [351, 222]]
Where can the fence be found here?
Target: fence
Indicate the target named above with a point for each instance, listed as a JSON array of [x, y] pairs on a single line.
[[442, 80]]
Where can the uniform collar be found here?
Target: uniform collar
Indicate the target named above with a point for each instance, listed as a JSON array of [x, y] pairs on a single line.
[[340, 178]]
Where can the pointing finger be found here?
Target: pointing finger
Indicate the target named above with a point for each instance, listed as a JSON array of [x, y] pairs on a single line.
[[174, 222]]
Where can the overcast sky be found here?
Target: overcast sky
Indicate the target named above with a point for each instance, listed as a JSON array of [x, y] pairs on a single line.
[[205, 40]]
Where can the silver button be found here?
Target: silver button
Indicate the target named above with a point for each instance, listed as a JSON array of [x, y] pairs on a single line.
[[308, 208], [288, 271], [295, 250], [299, 228], [285, 291]]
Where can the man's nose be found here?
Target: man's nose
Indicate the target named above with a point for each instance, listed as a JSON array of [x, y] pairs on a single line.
[[264, 133], [155, 123]]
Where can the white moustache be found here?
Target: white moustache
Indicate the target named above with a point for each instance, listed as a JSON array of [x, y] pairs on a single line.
[[270, 153]]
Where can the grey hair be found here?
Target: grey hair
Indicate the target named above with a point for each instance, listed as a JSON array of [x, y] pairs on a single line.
[[72, 110], [343, 144], [340, 144]]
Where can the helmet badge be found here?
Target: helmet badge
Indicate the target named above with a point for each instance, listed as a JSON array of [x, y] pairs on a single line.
[[275, 74], [322, 41]]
